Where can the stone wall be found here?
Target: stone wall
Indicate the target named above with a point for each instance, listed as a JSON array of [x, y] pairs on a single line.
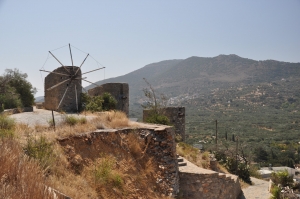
[[176, 116], [198, 183], [159, 141], [55, 95], [120, 91], [17, 110]]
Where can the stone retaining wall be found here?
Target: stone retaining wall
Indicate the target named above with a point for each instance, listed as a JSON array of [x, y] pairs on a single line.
[[17, 110], [202, 183], [159, 141]]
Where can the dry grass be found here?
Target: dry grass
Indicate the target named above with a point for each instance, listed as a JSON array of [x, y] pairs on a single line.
[[114, 119], [193, 155], [129, 172], [20, 177]]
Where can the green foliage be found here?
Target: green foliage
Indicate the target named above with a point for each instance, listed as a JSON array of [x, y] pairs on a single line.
[[104, 102], [103, 170], [6, 126], [158, 119], [41, 150], [70, 120], [1, 108], [254, 172], [15, 90], [282, 177], [239, 168], [104, 173], [73, 120], [117, 181], [109, 102], [275, 191]]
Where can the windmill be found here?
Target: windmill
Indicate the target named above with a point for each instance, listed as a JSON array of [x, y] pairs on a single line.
[[63, 86]]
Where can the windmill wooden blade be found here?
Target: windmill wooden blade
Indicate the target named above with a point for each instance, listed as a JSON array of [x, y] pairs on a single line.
[[55, 73], [60, 62], [62, 98], [81, 64], [58, 84], [90, 82], [92, 70]]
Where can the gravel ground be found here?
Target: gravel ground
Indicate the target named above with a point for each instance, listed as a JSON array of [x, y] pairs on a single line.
[[257, 191], [41, 117]]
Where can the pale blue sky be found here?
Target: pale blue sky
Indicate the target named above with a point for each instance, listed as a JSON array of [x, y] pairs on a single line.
[[126, 35]]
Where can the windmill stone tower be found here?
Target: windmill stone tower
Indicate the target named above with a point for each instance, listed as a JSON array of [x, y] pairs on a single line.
[[63, 86], [65, 96]]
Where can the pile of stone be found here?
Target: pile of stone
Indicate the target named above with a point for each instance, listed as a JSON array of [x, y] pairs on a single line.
[[287, 192]]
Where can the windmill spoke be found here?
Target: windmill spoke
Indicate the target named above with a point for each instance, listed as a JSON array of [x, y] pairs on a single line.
[[90, 82], [76, 98], [58, 84], [71, 55], [80, 78], [62, 97], [92, 70], [60, 62], [81, 64], [55, 73]]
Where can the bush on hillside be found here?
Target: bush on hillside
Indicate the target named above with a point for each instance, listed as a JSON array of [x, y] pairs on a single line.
[[6, 126], [41, 150], [104, 102]]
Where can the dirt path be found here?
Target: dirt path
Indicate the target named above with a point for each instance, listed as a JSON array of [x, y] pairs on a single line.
[[257, 191], [41, 117]]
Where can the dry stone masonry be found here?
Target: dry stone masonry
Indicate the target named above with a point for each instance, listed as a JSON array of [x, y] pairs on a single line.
[[54, 96], [159, 141], [195, 183], [120, 91], [176, 116]]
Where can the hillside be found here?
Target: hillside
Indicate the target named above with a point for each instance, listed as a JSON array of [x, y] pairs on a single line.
[[256, 100]]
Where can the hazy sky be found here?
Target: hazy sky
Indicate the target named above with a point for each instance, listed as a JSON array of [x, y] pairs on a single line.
[[126, 35]]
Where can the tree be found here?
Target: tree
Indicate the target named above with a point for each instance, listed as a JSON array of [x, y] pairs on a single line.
[[15, 90], [155, 104]]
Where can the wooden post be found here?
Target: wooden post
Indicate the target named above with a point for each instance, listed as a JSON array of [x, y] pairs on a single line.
[[53, 120], [216, 134], [236, 159]]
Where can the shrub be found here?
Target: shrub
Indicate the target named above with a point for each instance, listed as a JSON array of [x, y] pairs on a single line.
[[238, 168], [7, 126], [73, 120], [105, 173], [70, 120], [109, 102], [103, 170], [41, 150], [1, 108], [158, 119], [275, 191], [104, 102], [282, 177]]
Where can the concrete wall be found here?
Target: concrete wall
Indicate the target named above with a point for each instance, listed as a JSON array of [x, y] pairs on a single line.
[[120, 91], [160, 142], [54, 96], [176, 116]]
